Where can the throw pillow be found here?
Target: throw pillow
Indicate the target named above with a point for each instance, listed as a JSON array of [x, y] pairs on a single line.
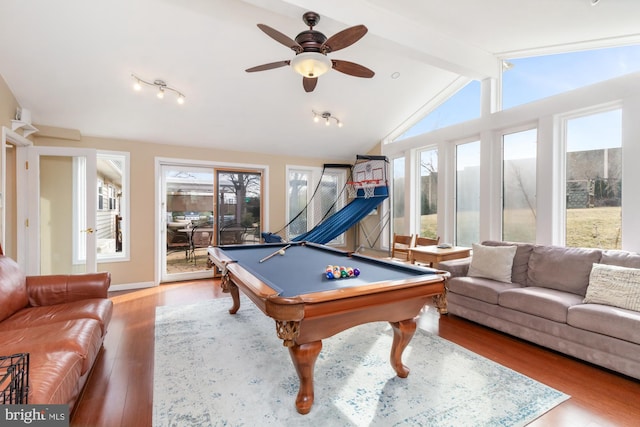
[[492, 262], [615, 286]]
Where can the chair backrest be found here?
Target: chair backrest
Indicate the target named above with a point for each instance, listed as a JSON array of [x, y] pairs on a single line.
[[231, 234], [427, 241], [176, 239], [201, 238], [400, 246]]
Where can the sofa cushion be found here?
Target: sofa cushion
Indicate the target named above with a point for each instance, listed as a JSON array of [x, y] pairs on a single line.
[[542, 302], [621, 258], [486, 290], [603, 319], [97, 308], [561, 268], [614, 285], [520, 260], [492, 262], [53, 377], [82, 336], [13, 288]]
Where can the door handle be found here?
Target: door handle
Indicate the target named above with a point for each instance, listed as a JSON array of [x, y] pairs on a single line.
[[88, 230]]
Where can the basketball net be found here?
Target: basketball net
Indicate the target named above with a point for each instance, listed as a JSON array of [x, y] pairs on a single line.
[[367, 186]]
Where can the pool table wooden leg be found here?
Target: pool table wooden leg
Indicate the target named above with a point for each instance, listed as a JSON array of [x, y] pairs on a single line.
[[402, 333], [229, 287], [235, 295], [304, 358]]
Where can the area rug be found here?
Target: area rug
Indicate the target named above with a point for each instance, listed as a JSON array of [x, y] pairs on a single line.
[[216, 369]]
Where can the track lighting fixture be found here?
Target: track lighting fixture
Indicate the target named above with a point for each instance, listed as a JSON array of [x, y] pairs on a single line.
[[160, 85], [327, 118]]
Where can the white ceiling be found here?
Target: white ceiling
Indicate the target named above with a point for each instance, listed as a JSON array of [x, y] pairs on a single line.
[[70, 63]]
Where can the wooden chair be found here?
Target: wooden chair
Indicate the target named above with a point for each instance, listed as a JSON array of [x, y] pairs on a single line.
[[427, 241], [400, 246]]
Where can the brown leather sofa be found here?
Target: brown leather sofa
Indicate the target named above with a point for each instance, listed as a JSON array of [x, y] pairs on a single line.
[[61, 321]]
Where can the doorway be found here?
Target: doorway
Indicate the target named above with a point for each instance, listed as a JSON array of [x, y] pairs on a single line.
[[204, 205], [62, 205]]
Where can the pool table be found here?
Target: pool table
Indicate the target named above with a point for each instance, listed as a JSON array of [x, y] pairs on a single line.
[[292, 288]]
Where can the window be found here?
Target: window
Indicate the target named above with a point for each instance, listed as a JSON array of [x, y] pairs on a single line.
[[462, 106], [312, 197], [398, 195], [529, 79], [112, 217], [594, 180], [299, 185], [467, 193], [519, 186], [428, 186]]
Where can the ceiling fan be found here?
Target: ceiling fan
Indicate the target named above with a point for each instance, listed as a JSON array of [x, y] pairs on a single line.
[[311, 48]]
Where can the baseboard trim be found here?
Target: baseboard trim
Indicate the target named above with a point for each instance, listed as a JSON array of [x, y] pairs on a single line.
[[130, 286]]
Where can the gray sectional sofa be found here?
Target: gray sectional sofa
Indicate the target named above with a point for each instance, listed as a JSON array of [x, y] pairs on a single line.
[[572, 300]]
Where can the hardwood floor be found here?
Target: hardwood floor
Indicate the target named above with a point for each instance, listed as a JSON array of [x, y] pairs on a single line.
[[119, 392]]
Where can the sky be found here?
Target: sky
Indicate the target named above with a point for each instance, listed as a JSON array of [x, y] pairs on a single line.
[[539, 77]]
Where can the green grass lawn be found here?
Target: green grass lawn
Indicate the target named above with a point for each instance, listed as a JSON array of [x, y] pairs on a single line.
[[594, 227], [589, 228]]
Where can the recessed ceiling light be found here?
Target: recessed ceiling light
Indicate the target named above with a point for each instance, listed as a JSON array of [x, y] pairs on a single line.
[[395, 75]]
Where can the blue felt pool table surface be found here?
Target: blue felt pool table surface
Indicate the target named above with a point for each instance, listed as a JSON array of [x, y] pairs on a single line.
[[301, 270]]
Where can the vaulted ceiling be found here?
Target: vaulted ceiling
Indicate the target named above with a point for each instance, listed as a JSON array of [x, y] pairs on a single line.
[[70, 63]]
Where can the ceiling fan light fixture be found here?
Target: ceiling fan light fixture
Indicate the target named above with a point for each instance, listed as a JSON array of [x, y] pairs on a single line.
[[311, 64]]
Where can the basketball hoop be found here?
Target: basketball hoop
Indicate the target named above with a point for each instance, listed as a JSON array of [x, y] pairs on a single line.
[[352, 189], [369, 187]]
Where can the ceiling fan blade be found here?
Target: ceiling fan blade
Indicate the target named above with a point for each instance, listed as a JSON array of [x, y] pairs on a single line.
[[309, 83], [352, 69], [281, 38], [269, 66], [344, 38]]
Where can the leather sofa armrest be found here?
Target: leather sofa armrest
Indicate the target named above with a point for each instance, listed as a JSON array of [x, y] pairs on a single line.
[[57, 289], [457, 267]]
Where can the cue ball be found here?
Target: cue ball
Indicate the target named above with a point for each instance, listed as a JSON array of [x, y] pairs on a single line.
[[281, 251]]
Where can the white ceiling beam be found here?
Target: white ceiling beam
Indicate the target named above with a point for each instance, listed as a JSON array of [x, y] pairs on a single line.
[[425, 44]]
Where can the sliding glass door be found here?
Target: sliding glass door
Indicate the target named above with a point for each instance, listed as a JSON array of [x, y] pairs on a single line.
[[188, 212], [239, 206], [202, 206]]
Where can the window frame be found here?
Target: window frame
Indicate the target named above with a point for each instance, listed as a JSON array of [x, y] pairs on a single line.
[[125, 254], [418, 188], [560, 235], [500, 134], [315, 175]]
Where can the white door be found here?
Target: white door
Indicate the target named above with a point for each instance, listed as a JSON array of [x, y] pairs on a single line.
[[186, 212], [61, 211]]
